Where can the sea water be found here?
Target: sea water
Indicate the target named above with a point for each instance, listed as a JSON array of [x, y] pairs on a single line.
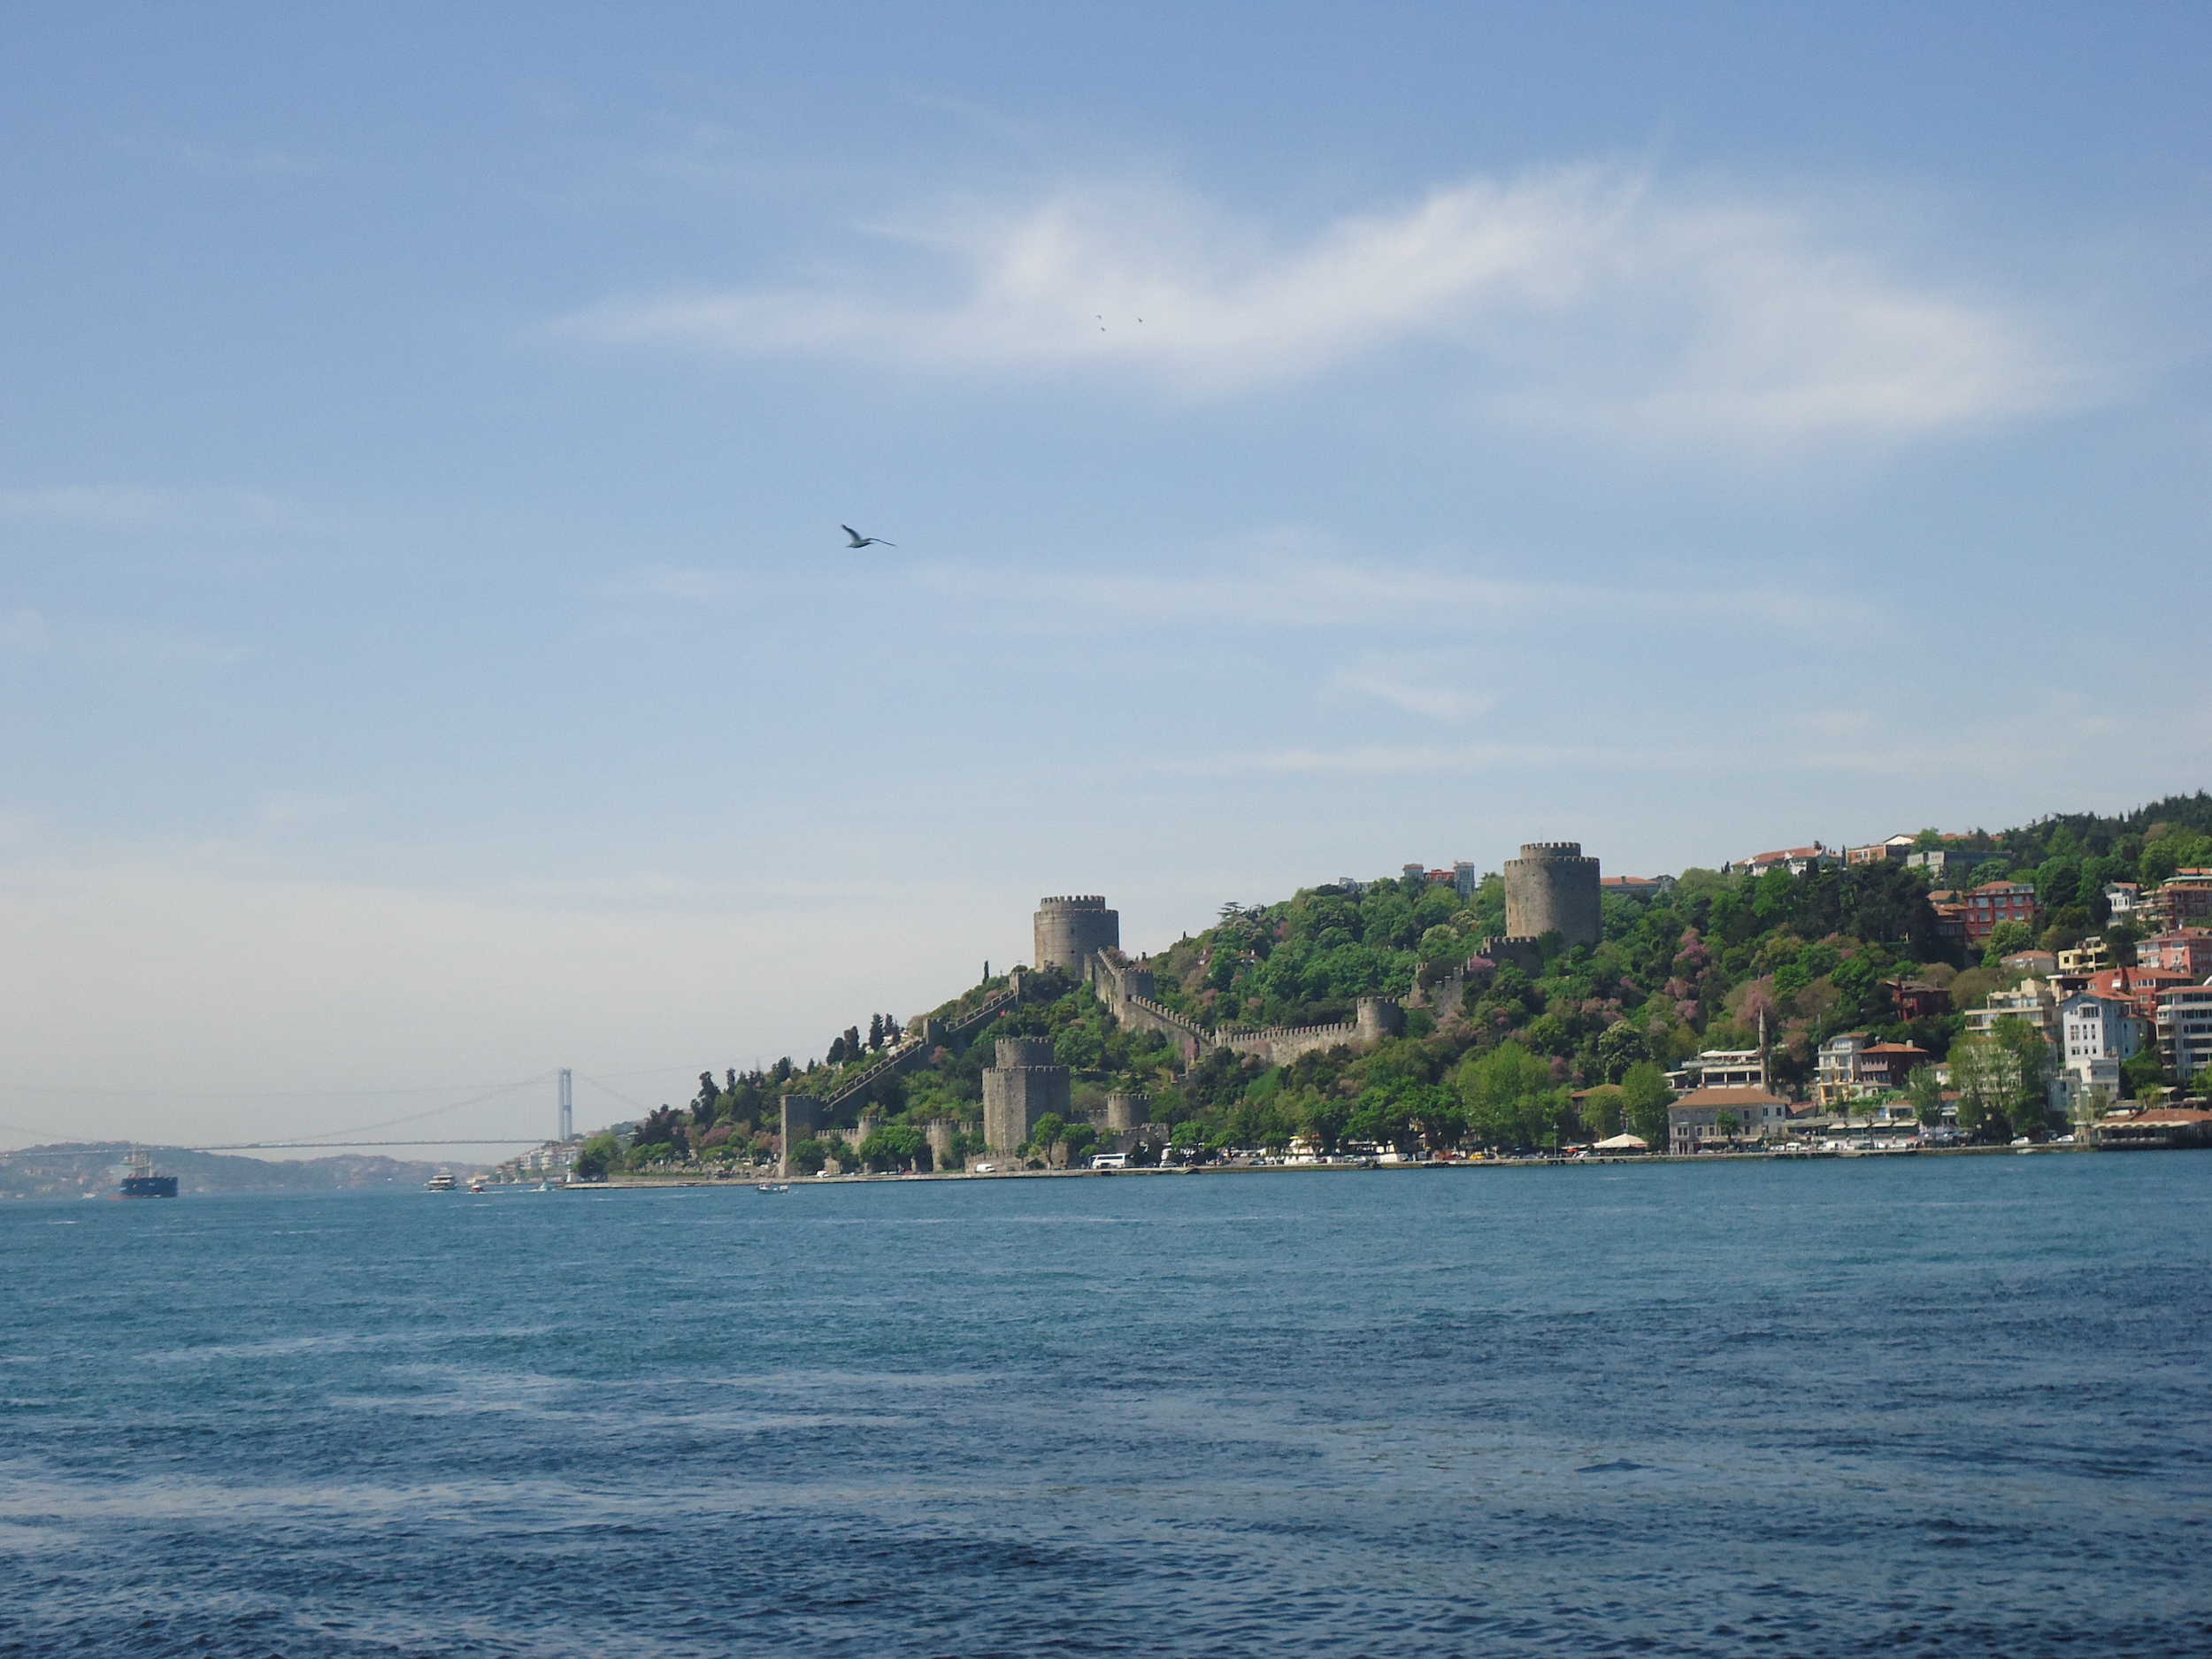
[[1900, 1406]]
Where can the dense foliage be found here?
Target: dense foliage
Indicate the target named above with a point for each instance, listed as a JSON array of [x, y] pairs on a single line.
[[1493, 1053]]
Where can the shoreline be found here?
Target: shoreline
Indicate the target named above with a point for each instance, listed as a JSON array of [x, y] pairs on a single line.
[[649, 1183]]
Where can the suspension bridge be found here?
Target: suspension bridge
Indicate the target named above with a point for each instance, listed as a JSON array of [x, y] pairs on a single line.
[[357, 1137]]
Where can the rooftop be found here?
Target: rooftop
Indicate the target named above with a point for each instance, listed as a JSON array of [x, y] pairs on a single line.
[[1731, 1097]]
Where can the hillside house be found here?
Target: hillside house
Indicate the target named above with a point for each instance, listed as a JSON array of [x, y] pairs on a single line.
[[1995, 901]]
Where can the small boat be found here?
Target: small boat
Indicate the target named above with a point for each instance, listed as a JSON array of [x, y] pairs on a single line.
[[441, 1182], [773, 1187], [476, 1182], [543, 1187]]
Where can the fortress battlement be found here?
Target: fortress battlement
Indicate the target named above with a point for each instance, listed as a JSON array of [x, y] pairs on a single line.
[[1268, 1033], [1074, 902]]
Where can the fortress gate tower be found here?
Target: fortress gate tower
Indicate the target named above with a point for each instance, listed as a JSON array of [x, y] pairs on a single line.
[[1551, 887], [1068, 930], [1025, 1085]]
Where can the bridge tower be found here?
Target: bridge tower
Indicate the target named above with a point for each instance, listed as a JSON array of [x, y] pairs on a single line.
[[568, 1106]]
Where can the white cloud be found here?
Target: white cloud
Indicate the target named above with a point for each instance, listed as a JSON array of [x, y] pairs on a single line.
[[1584, 295], [1415, 689], [1291, 578]]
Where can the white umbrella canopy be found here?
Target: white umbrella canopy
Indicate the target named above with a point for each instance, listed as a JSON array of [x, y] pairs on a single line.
[[1621, 1144]]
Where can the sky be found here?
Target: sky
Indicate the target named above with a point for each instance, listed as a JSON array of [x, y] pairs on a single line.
[[1314, 439]]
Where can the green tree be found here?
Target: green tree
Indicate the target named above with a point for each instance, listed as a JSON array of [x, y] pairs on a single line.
[[2002, 1080], [595, 1157], [1645, 1098], [1604, 1109], [1924, 1089], [1321, 1120], [1620, 1047], [2004, 940]]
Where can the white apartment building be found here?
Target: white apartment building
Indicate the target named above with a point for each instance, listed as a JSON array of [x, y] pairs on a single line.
[[1721, 1068], [1836, 1073], [2185, 1029], [2095, 1034], [2031, 1001]]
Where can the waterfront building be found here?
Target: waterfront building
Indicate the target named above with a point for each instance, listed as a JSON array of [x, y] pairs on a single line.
[[1722, 1068], [2185, 1030], [1694, 1121]]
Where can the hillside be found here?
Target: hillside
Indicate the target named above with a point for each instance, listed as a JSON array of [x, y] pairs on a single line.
[[70, 1168], [1501, 1053]]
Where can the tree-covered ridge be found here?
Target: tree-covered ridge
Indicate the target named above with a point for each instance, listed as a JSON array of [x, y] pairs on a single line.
[[1493, 1052]]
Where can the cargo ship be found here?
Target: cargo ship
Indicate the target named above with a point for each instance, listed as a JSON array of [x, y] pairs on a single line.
[[139, 1179]]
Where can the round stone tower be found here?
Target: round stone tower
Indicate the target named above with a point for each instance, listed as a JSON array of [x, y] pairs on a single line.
[[1551, 887], [1071, 929], [1013, 1051]]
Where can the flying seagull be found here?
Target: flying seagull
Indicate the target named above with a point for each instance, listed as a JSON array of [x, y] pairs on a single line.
[[859, 539]]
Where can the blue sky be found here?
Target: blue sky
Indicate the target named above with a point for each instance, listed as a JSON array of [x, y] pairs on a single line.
[[429, 652]]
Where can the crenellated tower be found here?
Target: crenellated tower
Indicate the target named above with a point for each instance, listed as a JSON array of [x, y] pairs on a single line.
[[1071, 929], [1551, 887]]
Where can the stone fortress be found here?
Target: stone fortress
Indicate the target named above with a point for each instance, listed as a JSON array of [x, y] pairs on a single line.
[[1551, 888]]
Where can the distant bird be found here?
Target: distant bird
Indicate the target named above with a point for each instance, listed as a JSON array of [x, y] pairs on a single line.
[[859, 539]]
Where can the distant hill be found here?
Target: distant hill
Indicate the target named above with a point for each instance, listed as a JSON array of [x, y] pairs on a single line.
[[71, 1168]]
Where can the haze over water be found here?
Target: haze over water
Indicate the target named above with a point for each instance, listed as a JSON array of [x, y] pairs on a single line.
[[1943, 1407]]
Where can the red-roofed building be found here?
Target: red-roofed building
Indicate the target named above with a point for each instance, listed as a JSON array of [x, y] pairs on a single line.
[[2185, 897], [1694, 1120], [1796, 860], [1995, 901], [2185, 950], [2136, 987], [1637, 887]]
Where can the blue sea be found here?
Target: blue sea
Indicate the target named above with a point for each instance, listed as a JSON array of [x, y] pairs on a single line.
[[1931, 1406]]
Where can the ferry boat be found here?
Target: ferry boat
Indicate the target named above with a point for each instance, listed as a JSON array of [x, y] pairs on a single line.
[[139, 1179], [441, 1182]]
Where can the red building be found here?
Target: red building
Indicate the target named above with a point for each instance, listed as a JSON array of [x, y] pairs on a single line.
[[1916, 999], [1995, 901], [1887, 1064], [2138, 987], [2185, 950]]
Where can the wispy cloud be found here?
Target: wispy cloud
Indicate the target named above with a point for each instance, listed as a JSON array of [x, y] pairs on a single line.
[[1292, 579], [1587, 296], [675, 581], [1425, 689], [211, 159], [27, 632], [1426, 760], [137, 507], [2061, 730]]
